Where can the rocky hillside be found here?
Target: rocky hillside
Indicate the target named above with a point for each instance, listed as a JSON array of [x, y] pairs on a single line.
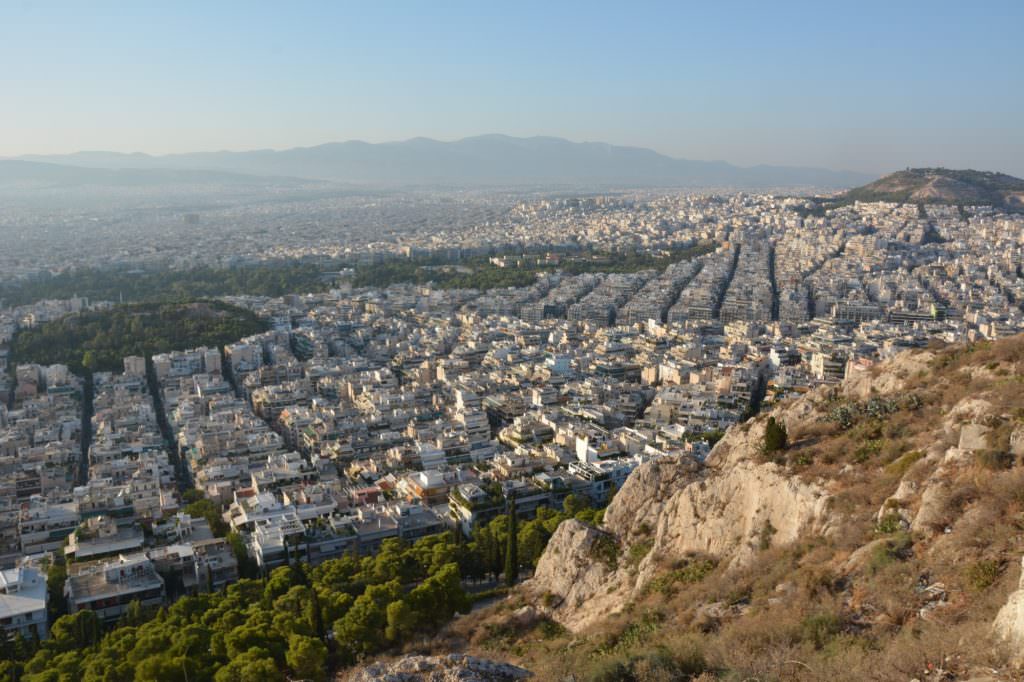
[[450, 668], [883, 541], [943, 186]]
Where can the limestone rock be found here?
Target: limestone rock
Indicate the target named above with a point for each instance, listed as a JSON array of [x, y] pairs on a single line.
[[680, 508], [571, 583], [967, 410], [1009, 623], [893, 379], [974, 437], [1017, 441]]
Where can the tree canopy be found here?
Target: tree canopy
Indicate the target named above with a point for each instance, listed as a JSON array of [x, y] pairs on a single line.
[[99, 340], [298, 621]]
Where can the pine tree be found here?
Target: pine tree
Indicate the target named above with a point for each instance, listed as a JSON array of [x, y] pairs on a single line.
[[512, 548]]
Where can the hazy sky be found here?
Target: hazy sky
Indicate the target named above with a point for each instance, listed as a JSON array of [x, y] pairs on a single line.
[[853, 85]]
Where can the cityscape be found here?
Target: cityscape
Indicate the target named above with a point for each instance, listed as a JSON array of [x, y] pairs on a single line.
[[437, 342]]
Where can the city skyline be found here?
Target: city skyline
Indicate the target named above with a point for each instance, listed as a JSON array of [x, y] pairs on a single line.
[[848, 89]]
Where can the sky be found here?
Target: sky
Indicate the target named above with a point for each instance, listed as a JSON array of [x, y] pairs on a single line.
[[867, 86]]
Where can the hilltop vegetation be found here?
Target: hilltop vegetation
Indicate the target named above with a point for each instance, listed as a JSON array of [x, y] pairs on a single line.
[[878, 540], [100, 340], [941, 186]]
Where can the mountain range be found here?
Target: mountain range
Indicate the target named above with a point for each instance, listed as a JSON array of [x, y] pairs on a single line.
[[497, 160]]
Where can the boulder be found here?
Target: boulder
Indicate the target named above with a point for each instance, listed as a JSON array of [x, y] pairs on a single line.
[[974, 437], [1009, 624]]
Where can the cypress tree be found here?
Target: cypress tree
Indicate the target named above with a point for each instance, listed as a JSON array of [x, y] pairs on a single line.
[[512, 549]]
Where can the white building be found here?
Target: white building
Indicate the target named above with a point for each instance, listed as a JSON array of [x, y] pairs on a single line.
[[23, 599]]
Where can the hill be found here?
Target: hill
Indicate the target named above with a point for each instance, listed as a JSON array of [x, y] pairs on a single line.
[[881, 539], [99, 340], [476, 161], [943, 186]]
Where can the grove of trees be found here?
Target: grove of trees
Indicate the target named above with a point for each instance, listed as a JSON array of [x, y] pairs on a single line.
[[98, 341], [298, 621], [163, 285]]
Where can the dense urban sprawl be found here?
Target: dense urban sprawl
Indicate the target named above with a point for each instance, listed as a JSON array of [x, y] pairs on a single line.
[[365, 414]]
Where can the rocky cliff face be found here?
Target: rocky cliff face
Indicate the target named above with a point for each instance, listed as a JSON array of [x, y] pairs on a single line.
[[728, 508]]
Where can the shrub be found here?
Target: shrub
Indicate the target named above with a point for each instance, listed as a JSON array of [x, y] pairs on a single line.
[[665, 666], [775, 437], [903, 464], [982, 574], [819, 629], [890, 551], [609, 671], [889, 524], [549, 629], [638, 551], [606, 550], [867, 450], [802, 459], [764, 538], [692, 571]]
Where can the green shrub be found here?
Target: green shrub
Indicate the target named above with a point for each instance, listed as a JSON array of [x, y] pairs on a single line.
[[775, 437], [549, 629], [606, 550], [638, 551], [867, 450], [982, 574], [892, 550], [903, 464], [890, 523], [820, 628], [692, 571]]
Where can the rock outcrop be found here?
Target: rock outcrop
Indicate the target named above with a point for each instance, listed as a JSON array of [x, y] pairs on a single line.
[[670, 508], [890, 379], [1009, 624], [451, 668]]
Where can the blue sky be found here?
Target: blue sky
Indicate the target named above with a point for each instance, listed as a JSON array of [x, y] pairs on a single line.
[[869, 86]]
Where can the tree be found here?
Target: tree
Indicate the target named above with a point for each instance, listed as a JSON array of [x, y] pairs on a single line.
[[532, 539], [775, 437], [133, 615], [255, 665], [512, 548], [401, 621], [76, 632], [574, 504], [307, 657]]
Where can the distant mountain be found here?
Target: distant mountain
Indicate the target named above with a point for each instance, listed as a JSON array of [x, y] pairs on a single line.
[[35, 174], [943, 186], [482, 160]]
